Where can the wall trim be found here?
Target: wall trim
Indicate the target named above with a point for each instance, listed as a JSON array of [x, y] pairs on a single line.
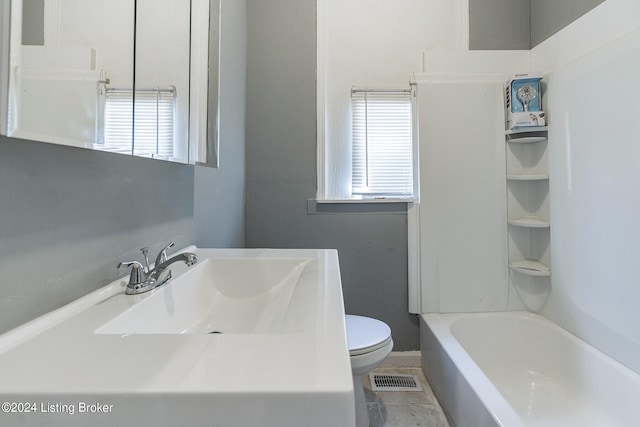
[[396, 359]]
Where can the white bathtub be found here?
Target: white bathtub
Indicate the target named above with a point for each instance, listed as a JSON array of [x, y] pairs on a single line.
[[517, 369]]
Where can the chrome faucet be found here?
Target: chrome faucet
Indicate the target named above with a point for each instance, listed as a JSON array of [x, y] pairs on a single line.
[[143, 280]]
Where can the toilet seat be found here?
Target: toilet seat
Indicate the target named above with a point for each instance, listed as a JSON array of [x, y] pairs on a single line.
[[366, 335]]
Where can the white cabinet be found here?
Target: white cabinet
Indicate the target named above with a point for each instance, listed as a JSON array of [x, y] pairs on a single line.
[[528, 203]]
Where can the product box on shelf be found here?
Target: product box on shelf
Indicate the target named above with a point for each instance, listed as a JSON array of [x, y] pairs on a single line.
[[523, 105]]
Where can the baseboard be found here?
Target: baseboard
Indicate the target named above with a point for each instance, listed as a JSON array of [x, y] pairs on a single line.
[[410, 359]]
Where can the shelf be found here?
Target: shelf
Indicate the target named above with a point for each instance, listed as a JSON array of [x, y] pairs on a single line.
[[527, 135], [530, 267], [528, 129], [528, 176], [529, 222], [526, 139]]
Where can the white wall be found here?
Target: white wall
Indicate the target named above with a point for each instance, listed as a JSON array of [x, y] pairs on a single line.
[[594, 194], [376, 48]]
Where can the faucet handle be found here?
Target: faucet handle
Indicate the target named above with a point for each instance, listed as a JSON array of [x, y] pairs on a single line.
[[145, 254], [162, 256], [137, 275]]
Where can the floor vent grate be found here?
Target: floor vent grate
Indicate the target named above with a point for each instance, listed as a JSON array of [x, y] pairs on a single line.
[[381, 382]]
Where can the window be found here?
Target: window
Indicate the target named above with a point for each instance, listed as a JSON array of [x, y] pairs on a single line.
[[154, 122], [382, 144]]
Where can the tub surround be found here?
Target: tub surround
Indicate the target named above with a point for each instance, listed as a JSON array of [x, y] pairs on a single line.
[[299, 376], [592, 157], [594, 199]]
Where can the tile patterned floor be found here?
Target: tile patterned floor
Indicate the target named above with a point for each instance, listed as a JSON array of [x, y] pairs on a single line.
[[401, 408]]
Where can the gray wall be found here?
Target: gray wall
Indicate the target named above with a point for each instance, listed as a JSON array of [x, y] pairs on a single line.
[[220, 193], [33, 22], [550, 16], [281, 173], [69, 215], [499, 24], [520, 24]]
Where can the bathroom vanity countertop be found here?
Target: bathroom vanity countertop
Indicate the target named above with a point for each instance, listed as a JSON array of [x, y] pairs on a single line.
[[60, 357]]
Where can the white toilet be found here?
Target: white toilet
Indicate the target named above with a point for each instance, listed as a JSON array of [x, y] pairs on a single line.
[[369, 344]]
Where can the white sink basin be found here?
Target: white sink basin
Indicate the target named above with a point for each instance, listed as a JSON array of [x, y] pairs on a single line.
[[227, 295], [280, 359]]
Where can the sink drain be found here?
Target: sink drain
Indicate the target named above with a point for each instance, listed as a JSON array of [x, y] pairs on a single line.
[[214, 332], [381, 382]]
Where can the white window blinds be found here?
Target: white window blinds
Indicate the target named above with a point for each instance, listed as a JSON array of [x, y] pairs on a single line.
[[382, 158], [154, 121]]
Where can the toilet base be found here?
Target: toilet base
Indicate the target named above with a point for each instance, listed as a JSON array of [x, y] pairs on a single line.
[[362, 412], [360, 365], [370, 343]]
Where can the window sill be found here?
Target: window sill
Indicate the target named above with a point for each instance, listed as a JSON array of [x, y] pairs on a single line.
[[367, 200], [358, 207]]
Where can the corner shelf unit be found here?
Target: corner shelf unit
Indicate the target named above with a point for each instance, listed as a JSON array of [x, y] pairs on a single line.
[[527, 201]]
